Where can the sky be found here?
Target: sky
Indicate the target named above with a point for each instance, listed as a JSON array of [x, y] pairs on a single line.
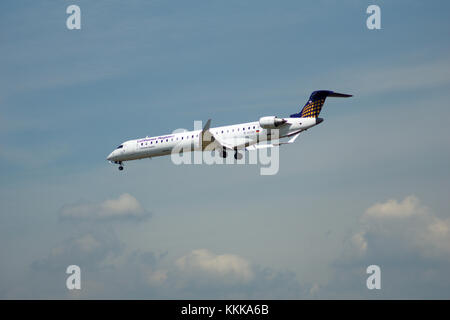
[[369, 186]]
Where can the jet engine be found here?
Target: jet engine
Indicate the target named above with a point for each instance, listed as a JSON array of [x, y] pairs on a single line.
[[271, 122]]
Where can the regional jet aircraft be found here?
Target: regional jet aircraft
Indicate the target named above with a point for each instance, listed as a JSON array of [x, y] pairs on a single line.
[[243, 136]]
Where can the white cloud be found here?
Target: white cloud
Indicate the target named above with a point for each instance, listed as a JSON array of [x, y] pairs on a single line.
[[410, 206], [359, 243], [156, 277], [85, 250], [87, 243], [111, 272], [405, 225], [225, 266], [409, 242], [126, 206]]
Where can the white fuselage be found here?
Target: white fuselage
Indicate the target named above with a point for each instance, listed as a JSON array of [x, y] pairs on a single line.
[[250, 132]]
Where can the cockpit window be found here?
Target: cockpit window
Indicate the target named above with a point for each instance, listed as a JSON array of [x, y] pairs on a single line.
[[121, 146]]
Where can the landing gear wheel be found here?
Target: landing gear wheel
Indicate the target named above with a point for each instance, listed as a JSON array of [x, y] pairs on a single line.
[[237, 155], [120, 168], [223, 154]]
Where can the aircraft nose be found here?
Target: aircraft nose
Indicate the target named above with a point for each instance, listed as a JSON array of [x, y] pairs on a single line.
[[110, 156]]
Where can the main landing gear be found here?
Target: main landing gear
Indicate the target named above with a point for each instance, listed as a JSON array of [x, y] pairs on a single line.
[[237, 155], [223, 154]]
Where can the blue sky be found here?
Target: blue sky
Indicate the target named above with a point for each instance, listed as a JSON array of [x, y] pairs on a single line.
[[373, 176]]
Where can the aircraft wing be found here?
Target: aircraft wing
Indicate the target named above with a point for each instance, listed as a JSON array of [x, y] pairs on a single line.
[[239, 143], [294, 136], [230, 143]]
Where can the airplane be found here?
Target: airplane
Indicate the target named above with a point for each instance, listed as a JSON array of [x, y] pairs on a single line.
[[243, 136]]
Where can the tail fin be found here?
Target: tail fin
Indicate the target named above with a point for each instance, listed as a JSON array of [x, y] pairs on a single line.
[[314, 105]]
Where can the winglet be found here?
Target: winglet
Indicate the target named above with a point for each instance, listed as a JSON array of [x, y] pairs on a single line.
[[207, 125]]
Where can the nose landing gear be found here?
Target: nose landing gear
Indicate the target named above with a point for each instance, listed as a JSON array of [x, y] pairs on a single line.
[[120, 165]]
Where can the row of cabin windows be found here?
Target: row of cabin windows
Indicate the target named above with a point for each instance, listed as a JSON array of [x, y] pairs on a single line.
[[187, 137], [167, 140], [243, 129]]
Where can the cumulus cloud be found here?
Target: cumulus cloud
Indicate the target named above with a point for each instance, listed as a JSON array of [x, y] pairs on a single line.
[[87, 250], [228, 267], [410, 206], [406, 224], [409, 242], [124, 207], [204, 274], [108, 271], [359, 243]]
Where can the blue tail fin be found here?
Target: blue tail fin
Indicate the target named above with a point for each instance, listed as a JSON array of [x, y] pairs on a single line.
[[314, 105]]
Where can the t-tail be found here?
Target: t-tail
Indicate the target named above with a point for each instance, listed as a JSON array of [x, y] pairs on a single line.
[[314, 105]]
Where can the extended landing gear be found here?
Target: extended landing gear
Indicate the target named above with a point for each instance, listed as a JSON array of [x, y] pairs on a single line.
[[237, 155], [120, 165], [223, 154]]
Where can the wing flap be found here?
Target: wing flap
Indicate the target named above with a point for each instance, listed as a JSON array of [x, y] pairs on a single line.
[[293, 136]]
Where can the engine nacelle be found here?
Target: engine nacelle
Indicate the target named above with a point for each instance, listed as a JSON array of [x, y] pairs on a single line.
[[271, 122]]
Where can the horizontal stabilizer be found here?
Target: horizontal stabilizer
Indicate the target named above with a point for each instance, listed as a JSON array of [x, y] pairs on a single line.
[[339, 95]]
